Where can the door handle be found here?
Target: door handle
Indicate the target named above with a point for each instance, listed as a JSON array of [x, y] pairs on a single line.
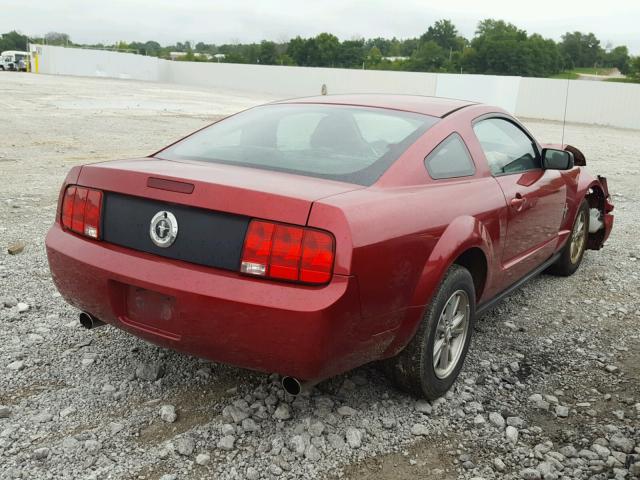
[[518, 202]]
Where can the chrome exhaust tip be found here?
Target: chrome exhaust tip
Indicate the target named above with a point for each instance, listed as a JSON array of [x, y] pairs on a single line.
[[295, 387], [88, 321], [292, 386]]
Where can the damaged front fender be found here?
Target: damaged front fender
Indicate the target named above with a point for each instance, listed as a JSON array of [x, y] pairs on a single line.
[[600, 218]]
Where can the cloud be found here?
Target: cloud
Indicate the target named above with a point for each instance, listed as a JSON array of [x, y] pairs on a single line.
[[222, 21]]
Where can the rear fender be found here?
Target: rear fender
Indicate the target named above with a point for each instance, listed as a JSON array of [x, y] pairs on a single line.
[[462, 234]]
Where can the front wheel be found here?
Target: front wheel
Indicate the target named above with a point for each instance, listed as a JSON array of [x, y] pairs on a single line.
[[431, 362], [573, 251]]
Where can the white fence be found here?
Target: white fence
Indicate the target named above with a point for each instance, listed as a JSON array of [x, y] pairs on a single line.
[[600, 103], [94, 63]]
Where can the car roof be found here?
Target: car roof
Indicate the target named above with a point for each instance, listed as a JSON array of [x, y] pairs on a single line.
[[433, 106]]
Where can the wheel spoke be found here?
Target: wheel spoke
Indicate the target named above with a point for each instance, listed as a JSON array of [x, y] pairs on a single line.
[[457, 325], [443, 361], [437, 351], [454, 306], [579, 226], [577, 238], [450, 334]]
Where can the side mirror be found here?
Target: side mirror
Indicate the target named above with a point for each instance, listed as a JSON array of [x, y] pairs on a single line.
[[553, 159]]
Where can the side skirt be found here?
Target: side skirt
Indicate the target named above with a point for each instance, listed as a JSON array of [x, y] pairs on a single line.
[[489, 304]]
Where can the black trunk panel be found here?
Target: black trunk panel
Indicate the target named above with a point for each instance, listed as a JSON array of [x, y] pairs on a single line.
[[204, 237]]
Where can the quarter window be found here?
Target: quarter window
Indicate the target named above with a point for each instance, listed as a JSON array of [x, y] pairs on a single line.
[[507, 148], [450, 159]]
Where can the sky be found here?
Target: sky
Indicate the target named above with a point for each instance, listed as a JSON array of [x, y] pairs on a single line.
[[224, 21]]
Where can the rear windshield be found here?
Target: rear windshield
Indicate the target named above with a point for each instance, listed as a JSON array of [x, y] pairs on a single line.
[[349, 144]]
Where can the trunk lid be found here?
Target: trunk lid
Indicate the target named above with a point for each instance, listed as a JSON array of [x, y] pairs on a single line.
[[212, 205], [239, 190]]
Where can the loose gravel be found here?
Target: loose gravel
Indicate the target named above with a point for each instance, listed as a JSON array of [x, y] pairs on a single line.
[[550, 389]]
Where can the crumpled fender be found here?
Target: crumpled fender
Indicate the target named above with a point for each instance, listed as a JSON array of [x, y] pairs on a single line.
[[462, 234], [598, 198]]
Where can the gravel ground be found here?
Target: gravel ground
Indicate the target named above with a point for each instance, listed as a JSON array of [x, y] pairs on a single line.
[[550, 389]]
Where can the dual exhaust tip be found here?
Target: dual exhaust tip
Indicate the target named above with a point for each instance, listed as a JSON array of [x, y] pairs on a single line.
[[291, 385], [88, 321], [295, 387]]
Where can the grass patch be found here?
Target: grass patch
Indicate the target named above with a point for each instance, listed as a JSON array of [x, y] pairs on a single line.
[[623, 80], [593, 71], [576, 72], [565, 75]]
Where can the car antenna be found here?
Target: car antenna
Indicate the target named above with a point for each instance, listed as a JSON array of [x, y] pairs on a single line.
[[564, 117]]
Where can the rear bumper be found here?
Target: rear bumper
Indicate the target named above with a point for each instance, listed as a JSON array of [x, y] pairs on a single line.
[[306, 332]]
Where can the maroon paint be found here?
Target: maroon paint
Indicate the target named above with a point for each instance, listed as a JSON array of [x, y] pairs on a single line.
[[394, 241]]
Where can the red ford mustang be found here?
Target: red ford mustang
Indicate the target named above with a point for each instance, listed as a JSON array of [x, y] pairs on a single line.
[[311, 236]]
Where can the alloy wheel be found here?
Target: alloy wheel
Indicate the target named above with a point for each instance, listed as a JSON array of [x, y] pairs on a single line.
[[578, 237], [451, 334]]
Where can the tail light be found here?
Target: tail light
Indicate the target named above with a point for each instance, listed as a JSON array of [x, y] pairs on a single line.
[[82, 210], [287, 252]]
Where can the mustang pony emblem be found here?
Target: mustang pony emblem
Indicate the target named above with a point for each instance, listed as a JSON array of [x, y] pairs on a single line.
[[164, 229]]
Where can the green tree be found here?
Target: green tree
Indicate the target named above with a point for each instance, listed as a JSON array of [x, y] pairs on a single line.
[[408, 46], [351, 54], [428, 57], [57, 38], [234, 57], [580, 50], [542, 57], [303, 51], [152, 48], [374, 58], [634, 67], [384, 45], [328, 46], [183, 47], [284, 59], [13, 41], [618, 58], [268, 54], [499, 48], [443, 33]]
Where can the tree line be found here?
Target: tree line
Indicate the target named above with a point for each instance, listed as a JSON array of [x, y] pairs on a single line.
[[497, 48]]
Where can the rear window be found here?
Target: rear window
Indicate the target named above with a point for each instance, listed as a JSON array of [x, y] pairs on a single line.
[[349, 144]]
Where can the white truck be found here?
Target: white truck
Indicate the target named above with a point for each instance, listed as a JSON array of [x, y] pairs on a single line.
[[14, 60]]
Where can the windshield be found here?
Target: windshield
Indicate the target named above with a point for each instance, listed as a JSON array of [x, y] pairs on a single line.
[[349, 144]]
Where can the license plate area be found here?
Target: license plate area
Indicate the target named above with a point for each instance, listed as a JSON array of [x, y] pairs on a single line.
[[151, 311]]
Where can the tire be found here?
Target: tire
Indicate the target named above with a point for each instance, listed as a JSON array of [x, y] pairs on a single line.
[[573, 252], [414, 369]]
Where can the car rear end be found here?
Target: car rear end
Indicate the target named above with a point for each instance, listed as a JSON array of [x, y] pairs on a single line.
[[206, 247], [245, 285]]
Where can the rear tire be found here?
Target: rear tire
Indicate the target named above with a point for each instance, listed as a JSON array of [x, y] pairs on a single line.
[[431, 362], [573, 252]]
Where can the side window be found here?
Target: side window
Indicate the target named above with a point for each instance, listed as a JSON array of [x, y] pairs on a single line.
[[450, 159], [507, 148]]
